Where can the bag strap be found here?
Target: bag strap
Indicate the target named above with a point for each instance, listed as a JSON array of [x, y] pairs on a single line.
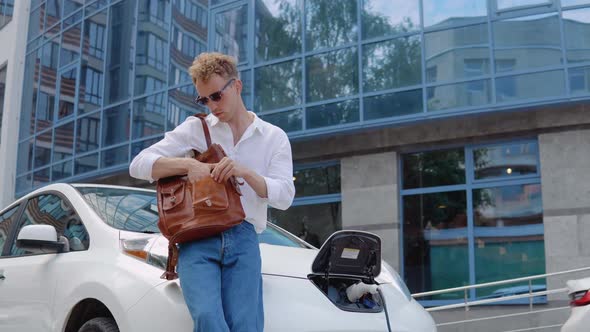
[[202, 116]]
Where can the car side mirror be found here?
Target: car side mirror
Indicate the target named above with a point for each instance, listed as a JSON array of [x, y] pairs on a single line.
[[41, 239]]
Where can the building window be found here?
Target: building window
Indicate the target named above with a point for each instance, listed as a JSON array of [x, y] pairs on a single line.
[[6, 11], [316, 212], [479, 204]]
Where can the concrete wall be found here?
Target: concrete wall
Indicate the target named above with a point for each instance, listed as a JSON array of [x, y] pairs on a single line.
[[565, 178], [370, 199], [13, 55]]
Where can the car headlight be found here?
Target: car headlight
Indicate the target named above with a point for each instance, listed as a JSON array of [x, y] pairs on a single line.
[[146, 250]]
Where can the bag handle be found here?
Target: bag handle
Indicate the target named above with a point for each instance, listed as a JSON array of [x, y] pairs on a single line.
[[202, 116]]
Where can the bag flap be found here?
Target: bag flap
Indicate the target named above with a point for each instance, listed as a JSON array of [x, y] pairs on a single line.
[[209, 195], [172, 193]]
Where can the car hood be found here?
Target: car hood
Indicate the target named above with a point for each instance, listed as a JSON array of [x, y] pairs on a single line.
[[276, 260]]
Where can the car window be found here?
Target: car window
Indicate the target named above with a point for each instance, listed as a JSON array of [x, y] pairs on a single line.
[[6, 221], [124, 209], [276, 236], [50, 209]]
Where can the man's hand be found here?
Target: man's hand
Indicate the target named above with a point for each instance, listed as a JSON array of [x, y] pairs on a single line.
[[226, 168], [198, 170]]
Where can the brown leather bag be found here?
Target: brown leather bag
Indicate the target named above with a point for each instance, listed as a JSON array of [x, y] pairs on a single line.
[[192, 211]]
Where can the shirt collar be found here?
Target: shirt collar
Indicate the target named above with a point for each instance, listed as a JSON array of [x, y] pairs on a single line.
[[258, 124]]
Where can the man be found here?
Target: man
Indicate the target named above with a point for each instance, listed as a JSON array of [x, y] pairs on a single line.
[[221, 276]]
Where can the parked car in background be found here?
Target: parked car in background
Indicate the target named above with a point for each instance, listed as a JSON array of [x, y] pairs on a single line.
[[579, 293], [79, 258]]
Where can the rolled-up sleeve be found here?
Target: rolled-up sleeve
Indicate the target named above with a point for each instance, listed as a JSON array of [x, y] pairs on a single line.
[[279, 178], [176, 143]]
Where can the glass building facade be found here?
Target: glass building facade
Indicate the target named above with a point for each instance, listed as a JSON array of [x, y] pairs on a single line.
[[106, 78]]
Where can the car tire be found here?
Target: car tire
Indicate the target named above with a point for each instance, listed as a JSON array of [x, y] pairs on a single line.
[[100, 324]]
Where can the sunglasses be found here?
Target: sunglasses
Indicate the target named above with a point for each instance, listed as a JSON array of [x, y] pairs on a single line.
[[215, 96]]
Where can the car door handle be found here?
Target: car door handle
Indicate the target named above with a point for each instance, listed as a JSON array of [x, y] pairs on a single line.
[[2, 277]]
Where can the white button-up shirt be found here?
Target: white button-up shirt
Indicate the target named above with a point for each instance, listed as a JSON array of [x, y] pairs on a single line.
[[264, 148]]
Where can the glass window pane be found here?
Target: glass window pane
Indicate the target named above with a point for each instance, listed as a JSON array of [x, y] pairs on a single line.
[[30, 87], [527, 42], [46, 101], [70, 45], [508, 236], [579, 80], [435, 237], [149, 116], [151, 61], [577, 34], [433, 168], [43, 149], [332, 75], [277, 28], [565, 3], [468, 94], [90, 95], [120, 60], [246, 78], [322, 180], [389, 17], [63, 145], [88, 133], [189, 38], [392, 64], [288, 121], [136, 148], [86, 164], [67, 93], [115, 156], [24, 184], [325, 29], [181, 105], [71, 6], [36, 22], [53, 15], [327, 218], [393, 104], [41, 178], [115, 126], [94, 6], [25, 156], [333, 114], [505, 160], [61, 170], [457, 53], [231, 33], [528, 86], [507, 4], [452, 12], [278, 85]]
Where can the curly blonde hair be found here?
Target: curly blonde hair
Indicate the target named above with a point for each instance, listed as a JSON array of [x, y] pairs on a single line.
[[208, 64]]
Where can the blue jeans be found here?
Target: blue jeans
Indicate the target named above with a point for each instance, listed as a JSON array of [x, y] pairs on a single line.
[[221, 281]]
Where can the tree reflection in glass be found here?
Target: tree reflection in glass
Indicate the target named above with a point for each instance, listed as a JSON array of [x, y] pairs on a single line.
[[278, 85], [278, 28], [392, 64], [389, 17], [330, 23]]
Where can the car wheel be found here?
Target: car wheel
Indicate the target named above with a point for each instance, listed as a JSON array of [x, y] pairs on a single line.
[[100, 324]]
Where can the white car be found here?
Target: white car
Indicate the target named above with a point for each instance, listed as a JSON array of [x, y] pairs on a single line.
[[80, 258], [579, 293]]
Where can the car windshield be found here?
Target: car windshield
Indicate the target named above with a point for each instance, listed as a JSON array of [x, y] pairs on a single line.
[[137, 211]]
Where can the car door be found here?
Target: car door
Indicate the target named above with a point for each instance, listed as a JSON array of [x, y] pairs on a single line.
[[27, 291], [8, 220]]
